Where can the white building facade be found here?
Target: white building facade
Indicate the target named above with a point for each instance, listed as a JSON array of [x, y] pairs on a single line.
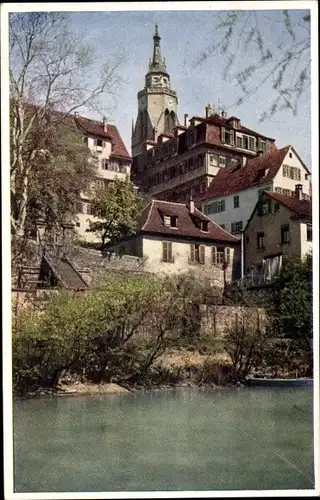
[[233, 210], [112, 161]]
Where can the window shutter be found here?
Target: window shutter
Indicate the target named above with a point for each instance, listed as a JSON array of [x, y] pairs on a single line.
[[232, 227], [227, 255], [214, 255], [170, 250], [223, 134], [202, 255], [232, 137], [192, 253], [164, 250], [95, 142]]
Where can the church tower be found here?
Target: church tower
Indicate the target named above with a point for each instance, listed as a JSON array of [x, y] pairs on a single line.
[[157, 102]]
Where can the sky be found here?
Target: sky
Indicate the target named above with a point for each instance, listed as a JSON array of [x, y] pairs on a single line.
[[185, 35]]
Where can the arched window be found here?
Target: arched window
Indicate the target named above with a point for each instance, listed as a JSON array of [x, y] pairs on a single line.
[[169, 120]]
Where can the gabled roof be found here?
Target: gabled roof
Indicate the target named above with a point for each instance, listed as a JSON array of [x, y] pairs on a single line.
[[300, 208], [95, 128], [88, 126], [151, 221], [233, 179]]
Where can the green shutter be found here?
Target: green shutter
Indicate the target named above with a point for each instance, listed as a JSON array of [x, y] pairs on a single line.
[[227, 255], [223, 134], [232, 137], [192, 253], [202, 254], [164, 250], [214, 255], [170, 250]]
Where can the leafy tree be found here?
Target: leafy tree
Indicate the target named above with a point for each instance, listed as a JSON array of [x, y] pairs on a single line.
[[58, 177], [114, 332], [292, 307], [51, 68], [245, 342], [264, 48], [116, 208]]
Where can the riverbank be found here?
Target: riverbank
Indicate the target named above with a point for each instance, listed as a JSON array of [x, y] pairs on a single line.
[[177, 368]]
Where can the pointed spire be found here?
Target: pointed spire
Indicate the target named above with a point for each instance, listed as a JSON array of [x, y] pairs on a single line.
[[157, 63]]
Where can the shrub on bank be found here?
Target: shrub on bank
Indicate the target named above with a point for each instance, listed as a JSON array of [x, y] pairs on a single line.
[[114, 332]]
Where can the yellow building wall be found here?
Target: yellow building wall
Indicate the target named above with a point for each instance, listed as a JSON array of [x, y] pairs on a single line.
[[152, 251], [271, 226]]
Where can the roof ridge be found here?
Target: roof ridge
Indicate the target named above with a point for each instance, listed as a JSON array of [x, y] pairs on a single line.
[[171, 202]]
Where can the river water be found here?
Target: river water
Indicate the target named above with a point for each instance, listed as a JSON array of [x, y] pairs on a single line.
[[228, 439]]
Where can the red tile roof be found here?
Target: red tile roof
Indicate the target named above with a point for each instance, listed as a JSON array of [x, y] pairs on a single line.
[[300, 208], [232, 179], [151, 221], [95, 128]]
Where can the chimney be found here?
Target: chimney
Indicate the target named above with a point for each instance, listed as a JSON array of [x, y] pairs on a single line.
[[76, 113], [208, 110], [243, 161], [186, 120], [191, 205], [298, 191], [224, 114], [105, 126]]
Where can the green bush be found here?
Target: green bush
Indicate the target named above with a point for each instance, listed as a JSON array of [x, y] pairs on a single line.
[[114, 332]]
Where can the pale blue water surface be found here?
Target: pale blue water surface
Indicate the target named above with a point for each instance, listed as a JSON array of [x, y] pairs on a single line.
[[228, 439]]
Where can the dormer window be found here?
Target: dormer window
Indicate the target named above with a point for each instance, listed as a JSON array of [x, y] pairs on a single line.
[[170, 220], [262, 173], [204, 225]]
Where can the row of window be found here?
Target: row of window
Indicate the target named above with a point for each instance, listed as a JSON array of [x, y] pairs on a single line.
[[222, 161], [215, 207], [168, 148], [86, 208], [220, 206], [292, 172], [219, 255], [242, 141], [285, 236], [289, 192], [179, 195], [177, 170], [113, 166]]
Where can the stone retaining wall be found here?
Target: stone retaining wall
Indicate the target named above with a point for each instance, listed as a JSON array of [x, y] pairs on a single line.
[[94, 267], [216, 320]]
